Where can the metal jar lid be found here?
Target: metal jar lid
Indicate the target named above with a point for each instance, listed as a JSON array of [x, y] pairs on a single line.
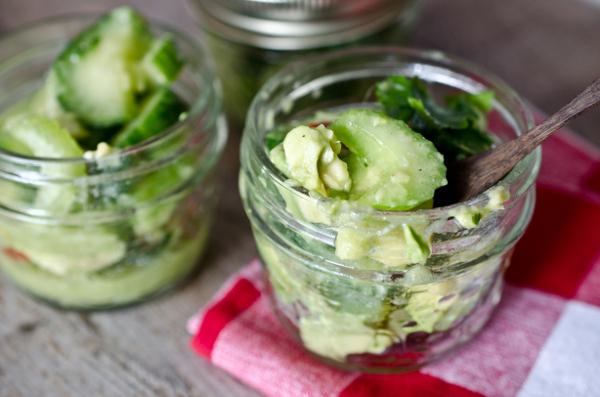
[[298, 24]]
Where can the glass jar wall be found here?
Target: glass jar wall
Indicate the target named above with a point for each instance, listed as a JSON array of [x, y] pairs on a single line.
[[378, 310], [91, 232], [251, 39]]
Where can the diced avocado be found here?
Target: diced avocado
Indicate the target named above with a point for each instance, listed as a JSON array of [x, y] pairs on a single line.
[[437, 305], [162, 63], [497, 196], [396, 248], [417, 249], [391, 166], [469, 216], [399, 247], [352, 244], [428, 303], [95, 74], [161, 110], [358, 297], [303, 147], [418, 275], [338, 334], [309, 157]]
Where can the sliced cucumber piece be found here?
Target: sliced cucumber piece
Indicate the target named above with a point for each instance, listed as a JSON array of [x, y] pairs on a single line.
[[162, 63], [391, 166], [45, 102], [161, 110], [10, 144], [95, 74], [39, 136]]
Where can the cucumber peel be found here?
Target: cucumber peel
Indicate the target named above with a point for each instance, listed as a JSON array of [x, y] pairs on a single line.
[[162, 63], [161, 110], [95, 73]]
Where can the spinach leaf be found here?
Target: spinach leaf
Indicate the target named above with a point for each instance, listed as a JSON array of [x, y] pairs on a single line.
[[457, 129]]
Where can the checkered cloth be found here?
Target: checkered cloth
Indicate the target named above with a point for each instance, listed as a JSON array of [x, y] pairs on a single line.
[[544, 339]]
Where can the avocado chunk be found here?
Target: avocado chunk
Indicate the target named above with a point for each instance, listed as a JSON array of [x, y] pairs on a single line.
[[309, 156], [397, 248]]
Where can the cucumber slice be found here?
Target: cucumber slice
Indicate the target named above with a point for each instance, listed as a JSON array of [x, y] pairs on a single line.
[[45, 102], [39, 136], [10, 144], [391, 166], [162, 63], [95, 73], [161, 110]]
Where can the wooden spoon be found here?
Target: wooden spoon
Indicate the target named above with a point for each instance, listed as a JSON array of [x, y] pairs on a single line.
[[469, 177]]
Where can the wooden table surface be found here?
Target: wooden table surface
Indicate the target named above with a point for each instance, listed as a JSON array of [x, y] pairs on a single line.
[[546, 49]]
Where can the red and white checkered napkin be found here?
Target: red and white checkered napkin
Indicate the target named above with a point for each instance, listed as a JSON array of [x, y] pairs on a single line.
[[544, 340]]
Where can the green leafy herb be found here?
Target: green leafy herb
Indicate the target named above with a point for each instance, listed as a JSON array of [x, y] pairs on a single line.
[[273, 139], [458, 129]]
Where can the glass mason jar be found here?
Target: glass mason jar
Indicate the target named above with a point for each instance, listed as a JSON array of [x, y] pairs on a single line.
[[91, 233], [379, 310], [251, 39]]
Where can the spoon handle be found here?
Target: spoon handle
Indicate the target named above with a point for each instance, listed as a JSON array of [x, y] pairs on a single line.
[[478, 173], [586, 99]]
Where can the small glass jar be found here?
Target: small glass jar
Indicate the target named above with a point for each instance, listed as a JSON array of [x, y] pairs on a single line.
[[91, 233], [251, 39], [356, 313]]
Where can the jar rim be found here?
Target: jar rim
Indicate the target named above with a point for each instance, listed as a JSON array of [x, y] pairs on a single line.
[[529, 166], [206, 105], [260, 29]]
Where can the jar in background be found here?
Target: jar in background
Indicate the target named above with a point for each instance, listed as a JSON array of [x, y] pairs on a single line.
[[91, 233], [349, 312], [251, 39]]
